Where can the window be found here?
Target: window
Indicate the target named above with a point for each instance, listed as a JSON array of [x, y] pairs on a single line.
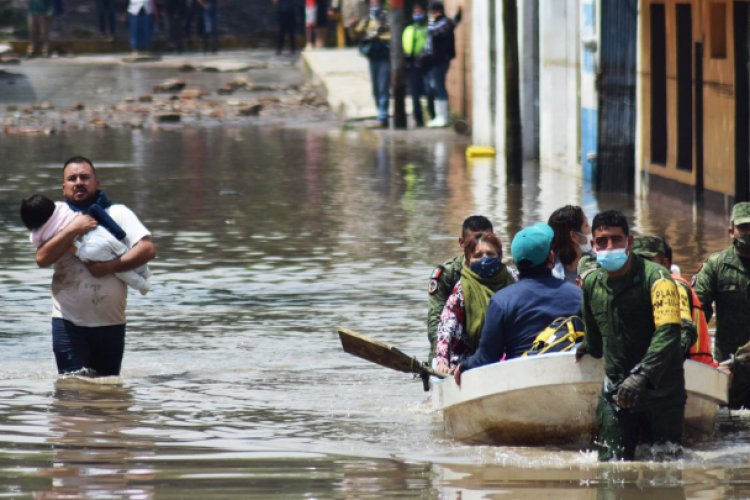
[[717, 34]]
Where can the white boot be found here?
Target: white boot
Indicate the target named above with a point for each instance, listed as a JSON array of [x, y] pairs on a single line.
[[441, 114]]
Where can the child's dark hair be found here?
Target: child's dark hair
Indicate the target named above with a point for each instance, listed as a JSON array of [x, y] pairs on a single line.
[[36, 210]]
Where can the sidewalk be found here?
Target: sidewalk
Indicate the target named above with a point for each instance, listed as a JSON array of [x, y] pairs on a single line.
[[345, 76]]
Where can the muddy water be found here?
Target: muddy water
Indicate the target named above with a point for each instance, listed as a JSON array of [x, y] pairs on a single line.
[[234, 380]]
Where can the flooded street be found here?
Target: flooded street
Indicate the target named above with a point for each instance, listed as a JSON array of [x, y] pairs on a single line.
[[234, 378]]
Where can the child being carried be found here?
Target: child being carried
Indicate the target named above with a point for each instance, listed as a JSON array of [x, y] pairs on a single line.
[[45, 219]]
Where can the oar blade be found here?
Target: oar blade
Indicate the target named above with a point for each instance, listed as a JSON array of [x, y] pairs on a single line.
[[376, 351]]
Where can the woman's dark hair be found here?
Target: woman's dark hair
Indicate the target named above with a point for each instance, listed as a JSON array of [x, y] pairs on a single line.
[[563, 221], [485, 237], [36, 210]]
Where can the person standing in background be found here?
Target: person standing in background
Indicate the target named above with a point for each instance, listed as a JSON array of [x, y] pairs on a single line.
[[439, 50], [176, 11], [141, 14], [287, 20], [374, 43], [105, 11], [210, 25], [40, 20], [413, 42], [321, 23]]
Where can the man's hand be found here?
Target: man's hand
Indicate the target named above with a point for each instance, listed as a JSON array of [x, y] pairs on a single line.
[[457, 375], [443, 368], [581, 351], [631, 390]]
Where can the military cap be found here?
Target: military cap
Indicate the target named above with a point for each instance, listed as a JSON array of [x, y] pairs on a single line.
[[741, 213], [648, 246], [532, 244]]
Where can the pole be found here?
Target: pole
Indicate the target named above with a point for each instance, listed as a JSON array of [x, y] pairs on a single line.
[[513, 138], [398, 68]]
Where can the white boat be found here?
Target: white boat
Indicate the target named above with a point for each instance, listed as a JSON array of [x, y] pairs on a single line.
[[550, 399]]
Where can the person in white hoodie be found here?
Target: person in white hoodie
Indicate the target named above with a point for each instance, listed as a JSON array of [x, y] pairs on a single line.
[[438, 52]]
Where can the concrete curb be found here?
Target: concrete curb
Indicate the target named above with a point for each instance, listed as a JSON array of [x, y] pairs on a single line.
[[344, 76]]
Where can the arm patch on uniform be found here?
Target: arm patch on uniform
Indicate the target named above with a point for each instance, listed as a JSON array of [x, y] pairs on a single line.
[[432, 287], [665, 300], [436, 273], [685, 312]]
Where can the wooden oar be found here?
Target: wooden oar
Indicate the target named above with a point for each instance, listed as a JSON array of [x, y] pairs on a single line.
[[385, 354]]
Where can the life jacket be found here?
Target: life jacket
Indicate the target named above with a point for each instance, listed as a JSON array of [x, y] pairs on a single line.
[[561, 335], [701, 350]]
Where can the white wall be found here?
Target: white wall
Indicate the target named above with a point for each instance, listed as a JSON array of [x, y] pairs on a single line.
[[482, 127], [558, 84]]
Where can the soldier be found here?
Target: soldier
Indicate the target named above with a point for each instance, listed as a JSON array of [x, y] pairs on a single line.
[[446, 275], [725, 279], [632, 315], [694, 340]]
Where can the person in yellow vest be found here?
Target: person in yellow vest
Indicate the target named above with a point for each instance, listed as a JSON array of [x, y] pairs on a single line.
[[413, 41], [695, 327]]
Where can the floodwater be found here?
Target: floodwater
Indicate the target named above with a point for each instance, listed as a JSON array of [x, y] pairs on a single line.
[[234, 379]]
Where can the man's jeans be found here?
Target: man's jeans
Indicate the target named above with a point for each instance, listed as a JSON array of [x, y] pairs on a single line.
[[436, 81], [140, 27], [99, 348], [380, 74]]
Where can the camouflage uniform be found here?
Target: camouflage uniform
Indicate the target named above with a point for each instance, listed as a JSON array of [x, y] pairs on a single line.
[[634, 322], [725, 280], [442, 281], [648, 247]]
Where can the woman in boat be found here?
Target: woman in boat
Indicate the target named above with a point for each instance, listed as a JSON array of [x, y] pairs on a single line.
[[572, 240], [462, 318]]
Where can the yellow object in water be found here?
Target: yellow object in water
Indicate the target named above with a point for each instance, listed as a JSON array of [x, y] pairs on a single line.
[[474, 151]]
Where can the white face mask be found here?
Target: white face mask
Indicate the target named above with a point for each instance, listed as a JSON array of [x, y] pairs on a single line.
[[585, 247]]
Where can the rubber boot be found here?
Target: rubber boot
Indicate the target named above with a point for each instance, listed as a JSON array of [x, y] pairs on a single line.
[[441, 114]]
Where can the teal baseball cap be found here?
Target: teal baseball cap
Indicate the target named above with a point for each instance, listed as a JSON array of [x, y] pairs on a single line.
[[531, 244]]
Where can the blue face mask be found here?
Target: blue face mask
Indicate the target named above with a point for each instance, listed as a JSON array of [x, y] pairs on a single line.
[[612, 260], [418, 18], [486, 267], [375, 12]]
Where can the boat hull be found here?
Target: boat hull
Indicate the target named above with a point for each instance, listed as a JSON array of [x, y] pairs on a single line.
[[552, 400]]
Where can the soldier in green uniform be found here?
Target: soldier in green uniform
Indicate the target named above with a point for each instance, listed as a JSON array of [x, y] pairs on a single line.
[[724, 279], [653, 248], [445, 276], [632, 315]]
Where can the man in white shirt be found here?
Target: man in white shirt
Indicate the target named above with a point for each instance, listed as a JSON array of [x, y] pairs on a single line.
[[88, 301]]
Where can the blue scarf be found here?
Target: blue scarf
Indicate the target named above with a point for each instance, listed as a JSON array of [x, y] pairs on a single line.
[[97, 210]]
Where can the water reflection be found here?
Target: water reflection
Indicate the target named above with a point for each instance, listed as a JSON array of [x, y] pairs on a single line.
[[235, 382], [91, 429]]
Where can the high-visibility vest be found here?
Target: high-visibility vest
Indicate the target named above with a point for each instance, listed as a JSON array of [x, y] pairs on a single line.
[[701, 349]]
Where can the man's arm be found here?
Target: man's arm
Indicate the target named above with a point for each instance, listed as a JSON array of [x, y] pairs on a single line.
[[688, 330], [51, 251], [138, 255], [491, 340], [592, 338], [665, 343]]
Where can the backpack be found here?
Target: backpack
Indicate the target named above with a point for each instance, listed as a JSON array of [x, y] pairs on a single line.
[[561, 335]]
